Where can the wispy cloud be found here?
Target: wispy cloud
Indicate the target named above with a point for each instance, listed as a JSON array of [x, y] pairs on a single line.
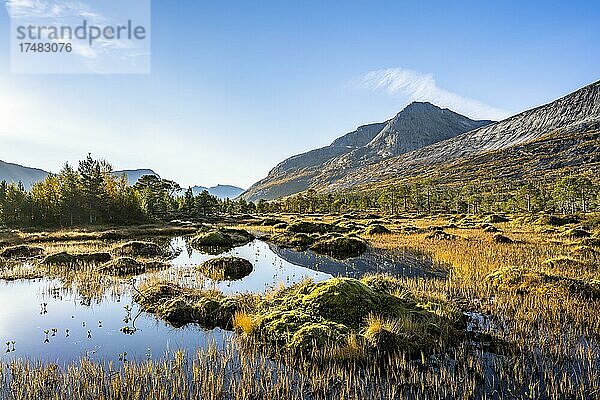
[[418, 86]]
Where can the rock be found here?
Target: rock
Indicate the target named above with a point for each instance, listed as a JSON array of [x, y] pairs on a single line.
[[226, 268]]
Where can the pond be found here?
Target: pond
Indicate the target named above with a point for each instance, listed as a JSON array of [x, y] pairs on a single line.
[[46, 320]]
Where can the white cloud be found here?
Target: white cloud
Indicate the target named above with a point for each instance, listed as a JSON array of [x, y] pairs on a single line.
[[418, 86]]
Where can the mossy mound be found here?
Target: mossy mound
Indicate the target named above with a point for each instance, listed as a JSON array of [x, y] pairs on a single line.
[[340, 247], [22, 251], [224, 238], [316, 315], [562, 262], [226, 268], [586, 251], [377, 229], [590, 241], [180, 306], [139, 249], [557, 220], [127, 266], [300, 241], [440, 235], [495, 218], [523, 281], [312, 316], [500, 238], [65, 258], [112, 235], [271, 222], [349, 226], [314, 227], [489, 228], [576, 233], [411, 229]]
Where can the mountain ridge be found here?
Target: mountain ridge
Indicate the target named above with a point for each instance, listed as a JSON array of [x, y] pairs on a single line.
[[415, 126]]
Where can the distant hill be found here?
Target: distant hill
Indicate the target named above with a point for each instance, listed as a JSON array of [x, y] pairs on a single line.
[[220, 191], [133, 175], [14, 173]]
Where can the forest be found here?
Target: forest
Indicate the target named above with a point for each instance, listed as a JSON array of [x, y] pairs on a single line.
[[93, 194]]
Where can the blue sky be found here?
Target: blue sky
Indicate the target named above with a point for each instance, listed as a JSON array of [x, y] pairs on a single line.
[[236, 87]]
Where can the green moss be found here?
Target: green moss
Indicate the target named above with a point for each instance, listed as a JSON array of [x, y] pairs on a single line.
[[226, 268], [312, 316], [319, 335], [340, 247], [225, 238], [181, 306], [299, 241]]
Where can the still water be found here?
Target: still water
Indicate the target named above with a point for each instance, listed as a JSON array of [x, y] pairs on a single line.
[[46, 320]]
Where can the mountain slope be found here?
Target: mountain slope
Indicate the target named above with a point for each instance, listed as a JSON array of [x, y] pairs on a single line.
[[576, 112], [417, 125], [14, 173], [220, 191], [133, 175]]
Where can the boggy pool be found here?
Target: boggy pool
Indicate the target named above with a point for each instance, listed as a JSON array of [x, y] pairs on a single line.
[[50, 321]]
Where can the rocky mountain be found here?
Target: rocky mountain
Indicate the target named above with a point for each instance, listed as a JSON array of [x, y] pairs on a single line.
[[14, 173], [418, 125], [575, 113], [424, 140], [220, 191]]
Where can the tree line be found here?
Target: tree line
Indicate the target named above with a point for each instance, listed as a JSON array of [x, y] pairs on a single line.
[[567, 195], [93, 194]]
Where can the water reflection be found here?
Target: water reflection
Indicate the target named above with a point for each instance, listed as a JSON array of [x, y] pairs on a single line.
[[57, 320]]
